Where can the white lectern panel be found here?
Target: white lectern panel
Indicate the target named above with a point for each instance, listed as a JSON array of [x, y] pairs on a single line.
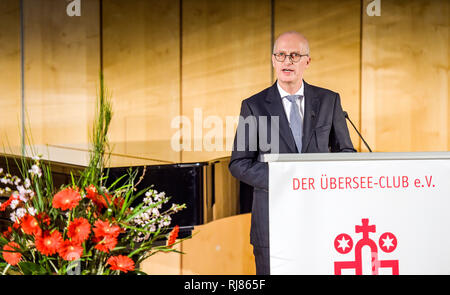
[[360, 215]]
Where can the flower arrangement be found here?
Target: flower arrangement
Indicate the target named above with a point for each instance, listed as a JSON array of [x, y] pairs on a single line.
[[83, 227]]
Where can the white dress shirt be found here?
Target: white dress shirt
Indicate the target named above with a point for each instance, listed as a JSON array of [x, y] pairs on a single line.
[[287, 103]]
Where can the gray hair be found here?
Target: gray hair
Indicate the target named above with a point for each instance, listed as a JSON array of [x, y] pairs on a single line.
[[305, 43]]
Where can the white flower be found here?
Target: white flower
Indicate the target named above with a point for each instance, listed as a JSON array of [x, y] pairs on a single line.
[[1, 170], [155, 211], [13, 217], [37, 157], [22, 192], [14, 204], [23, 198], [166, 222], [15, 195], [32, 211], [21, 212], [27, 183], [175, 208], [35, 170]]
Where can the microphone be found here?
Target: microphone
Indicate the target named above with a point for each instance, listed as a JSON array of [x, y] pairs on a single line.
[[360, 136]]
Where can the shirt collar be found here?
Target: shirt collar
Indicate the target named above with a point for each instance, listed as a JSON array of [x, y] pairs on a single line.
[[284, 93]]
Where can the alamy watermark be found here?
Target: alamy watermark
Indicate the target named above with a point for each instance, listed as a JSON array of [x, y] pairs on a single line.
[[74, 8], [253, 133], [374, 8]]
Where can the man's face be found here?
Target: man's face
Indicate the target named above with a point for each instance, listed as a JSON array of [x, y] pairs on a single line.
[[289, 72]]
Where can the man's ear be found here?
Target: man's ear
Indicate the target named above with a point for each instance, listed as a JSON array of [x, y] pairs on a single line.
[[308, 61]]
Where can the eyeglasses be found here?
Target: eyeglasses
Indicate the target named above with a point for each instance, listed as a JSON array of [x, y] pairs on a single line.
[[293, 57]]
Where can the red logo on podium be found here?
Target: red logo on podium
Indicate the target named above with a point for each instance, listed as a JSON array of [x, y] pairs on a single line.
[[343, 243]]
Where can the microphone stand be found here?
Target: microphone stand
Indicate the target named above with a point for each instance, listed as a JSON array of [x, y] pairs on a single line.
[[360, 136]]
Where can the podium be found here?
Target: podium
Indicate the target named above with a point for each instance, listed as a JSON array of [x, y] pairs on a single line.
[[359, 213]]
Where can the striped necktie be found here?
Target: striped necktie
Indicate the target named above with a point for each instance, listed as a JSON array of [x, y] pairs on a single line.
[[295, 121]]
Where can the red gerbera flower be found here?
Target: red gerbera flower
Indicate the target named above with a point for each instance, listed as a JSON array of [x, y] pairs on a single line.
[[104, 229], [7, 203], [105, 244], [120, 262], [70, 250], [118, 202], [95, 197], [11, 257], [43, 218], [66, 199], [30, 226], [7, 233], [16, 224], [173, 236], [48, 243], [79, 230]]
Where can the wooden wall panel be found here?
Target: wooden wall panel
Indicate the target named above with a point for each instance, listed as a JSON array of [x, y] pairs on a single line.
[[225, 59], [333, 31], [221, 247], [163, 263], [10, 81], [141, 58], [61, 71], [405, 82]]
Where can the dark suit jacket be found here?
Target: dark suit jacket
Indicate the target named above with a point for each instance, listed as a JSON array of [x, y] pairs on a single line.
[[324, 130]]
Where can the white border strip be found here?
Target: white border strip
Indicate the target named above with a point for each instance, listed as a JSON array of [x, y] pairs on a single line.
[[354, 156]]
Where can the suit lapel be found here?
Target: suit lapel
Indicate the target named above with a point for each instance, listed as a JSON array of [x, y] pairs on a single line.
[[275, 108], [312, 105]]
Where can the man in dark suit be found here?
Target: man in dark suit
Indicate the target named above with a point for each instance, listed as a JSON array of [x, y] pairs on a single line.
[[306, 118]]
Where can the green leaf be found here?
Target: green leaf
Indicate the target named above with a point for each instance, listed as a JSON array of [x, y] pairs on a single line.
[[73, 179], [126, 202], [29, 268], [136, 211], [137, 228], [39, 200], [115, 182]]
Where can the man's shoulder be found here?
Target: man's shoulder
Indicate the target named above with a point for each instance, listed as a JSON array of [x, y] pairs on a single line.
[[257, 97], [320, 91]]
